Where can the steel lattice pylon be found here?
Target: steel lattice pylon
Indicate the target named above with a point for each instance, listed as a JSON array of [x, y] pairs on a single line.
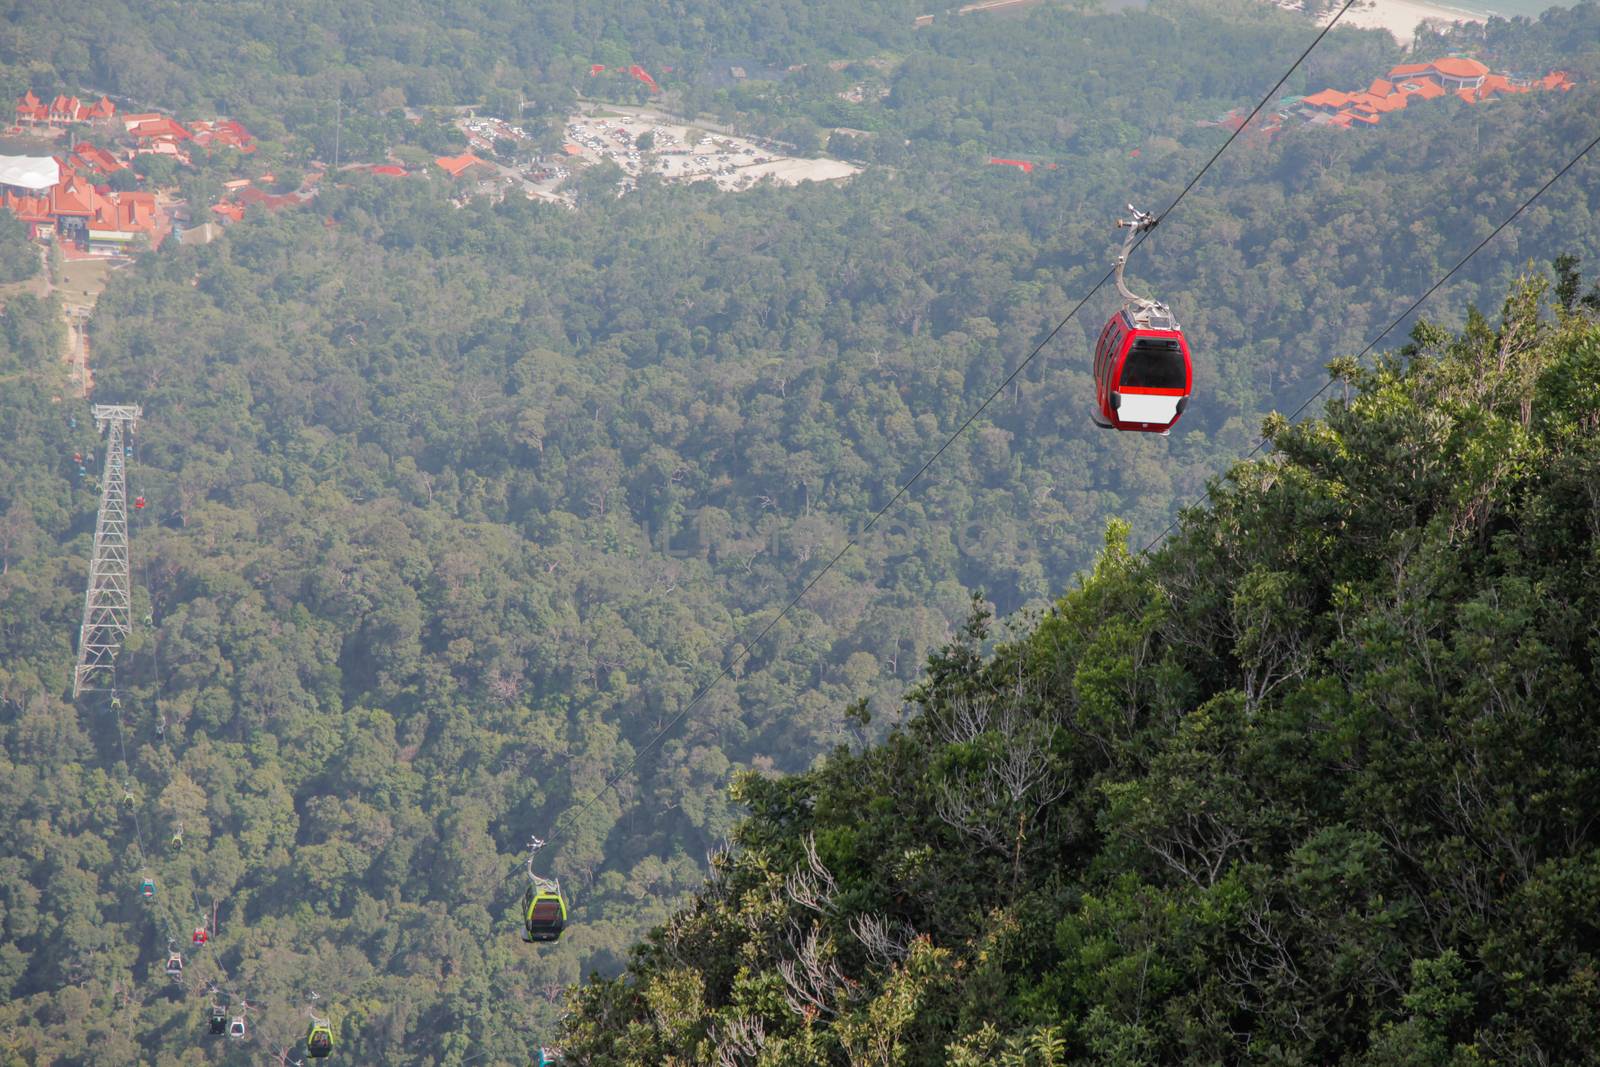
[[108, 603]]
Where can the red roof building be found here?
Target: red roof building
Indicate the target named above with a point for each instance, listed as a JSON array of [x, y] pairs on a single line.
[[1426, 90], [96, 159], [253, 197], [1327, 99], [159, 128], [31, 210], [1021, 164], [30, 112], [223, 133], [456, 166], [62, 111], [1467, 79], [92, 218]]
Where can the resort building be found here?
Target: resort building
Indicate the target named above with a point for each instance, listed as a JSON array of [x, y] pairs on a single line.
[[1466, 79], [62, 111]]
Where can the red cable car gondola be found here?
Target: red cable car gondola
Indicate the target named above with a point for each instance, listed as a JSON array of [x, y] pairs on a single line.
[[1142, 375]]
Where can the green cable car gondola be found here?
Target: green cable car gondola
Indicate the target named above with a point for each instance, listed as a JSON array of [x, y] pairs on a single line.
[[544, 911], [219, 1019], [319, 1039], [547, 1057]]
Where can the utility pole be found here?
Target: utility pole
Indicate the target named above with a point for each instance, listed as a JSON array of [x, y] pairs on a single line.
[[108, 603]]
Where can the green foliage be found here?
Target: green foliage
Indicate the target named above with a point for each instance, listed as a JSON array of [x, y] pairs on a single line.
[[1322, 788], [19, 257], [454, 507]]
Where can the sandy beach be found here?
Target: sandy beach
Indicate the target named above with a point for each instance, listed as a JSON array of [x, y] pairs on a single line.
[[1400, 17]]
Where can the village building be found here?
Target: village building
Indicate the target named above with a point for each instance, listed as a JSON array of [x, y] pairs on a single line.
[[96, 160], [55, 202], [223, 133], [1466, 79], [465, 165], [64, 110]]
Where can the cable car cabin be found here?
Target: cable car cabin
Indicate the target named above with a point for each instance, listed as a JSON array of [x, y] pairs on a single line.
[[319, 1040], [200, 936], [1142, 374], [547, 1057], [236, 1028], [175, 966], [544, 912], [147, 888], [219, 1019]]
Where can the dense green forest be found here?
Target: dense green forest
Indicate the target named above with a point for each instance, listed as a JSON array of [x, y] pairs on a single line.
[[453, 508], [1313, 783]]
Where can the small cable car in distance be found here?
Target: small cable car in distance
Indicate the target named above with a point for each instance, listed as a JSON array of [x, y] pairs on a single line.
[[147, 888], [1143, 377], [174, 965], [319, 1039], [219, 1019], [544, 911], [547, 1057], [236, 1028]]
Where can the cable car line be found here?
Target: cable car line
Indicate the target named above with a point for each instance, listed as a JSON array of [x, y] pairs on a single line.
[[206, 932], [1372, 344], [564, 820], [163, 912]]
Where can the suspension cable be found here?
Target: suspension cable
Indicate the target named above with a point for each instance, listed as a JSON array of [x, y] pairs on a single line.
[[565, 820], [1398, 319]]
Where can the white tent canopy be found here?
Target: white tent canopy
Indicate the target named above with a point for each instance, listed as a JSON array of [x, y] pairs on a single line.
[[34, 173]]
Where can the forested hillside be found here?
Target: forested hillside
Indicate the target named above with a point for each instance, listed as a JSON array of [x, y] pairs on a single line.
[[1313, 783], [451, 509]]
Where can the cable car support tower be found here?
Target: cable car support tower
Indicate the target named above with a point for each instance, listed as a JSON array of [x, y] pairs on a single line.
[[108, 602]]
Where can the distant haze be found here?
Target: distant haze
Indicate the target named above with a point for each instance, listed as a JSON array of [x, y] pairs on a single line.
[[1505, 8]]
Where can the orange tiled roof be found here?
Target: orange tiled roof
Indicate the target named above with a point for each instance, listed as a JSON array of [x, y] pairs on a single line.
[[29, 107], [458, 165], [1328, 98], [1380, 87], [160, 127], [1428, 90], [1406, 70], [98, 158], [72, 196], [1469, 95], [1458, 67], [232, 212], [29, 208]]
